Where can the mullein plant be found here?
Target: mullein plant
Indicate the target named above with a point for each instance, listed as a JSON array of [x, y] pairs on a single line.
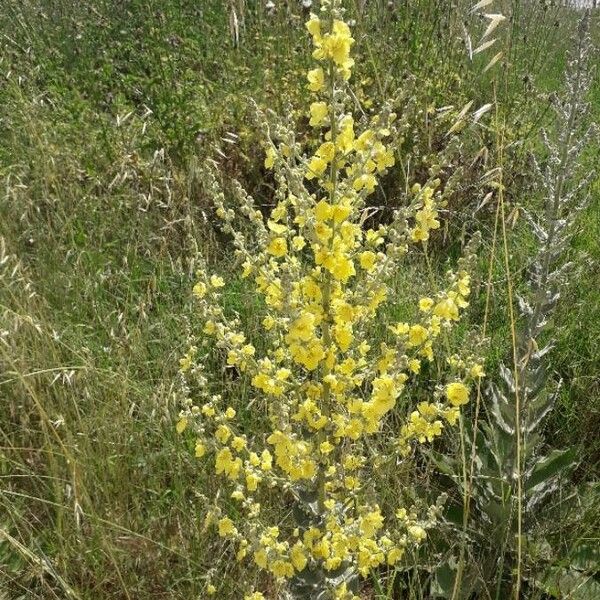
[[512, 480], [329, 389]]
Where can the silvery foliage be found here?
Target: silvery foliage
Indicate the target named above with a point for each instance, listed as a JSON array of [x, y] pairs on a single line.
[[565, 189], [565, 185], [317, 583]]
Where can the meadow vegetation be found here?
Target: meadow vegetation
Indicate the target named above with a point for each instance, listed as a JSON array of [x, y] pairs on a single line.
[[128, 130]]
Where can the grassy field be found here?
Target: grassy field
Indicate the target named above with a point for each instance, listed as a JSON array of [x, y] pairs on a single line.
[[109, 111]]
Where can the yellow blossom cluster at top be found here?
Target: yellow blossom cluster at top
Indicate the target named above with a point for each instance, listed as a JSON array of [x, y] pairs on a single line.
[[327, 386]]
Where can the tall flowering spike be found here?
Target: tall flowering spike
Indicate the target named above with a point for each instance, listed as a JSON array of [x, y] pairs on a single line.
[[327, 385]]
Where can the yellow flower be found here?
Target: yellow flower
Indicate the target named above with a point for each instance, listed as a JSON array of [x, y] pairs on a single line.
[[238, 443], [367, 260], [223, 433], [208, 410], [200, 449], [394, 555], [277, 247], [463, 284], [366, 181], [345, 138], [336, 45], [316, 79], [417, 533], [216, 281], [341, 212], [270, 157], [425, 304], [279, 212], [323, 232], [211, 590], [371, 523], [314, 355], [326, 151], [298, 242], [342, 268], [302, 328], [384, 392], [417, 335], [451, 414], [418, 234], [281, 568], [275, 227], [414, 365], [318, 163], [326, 447], [365, 140], [316, 167], [344, 312], [261, 559], [266, 460], [446, 309], [476, 371], [226, 464], [226, 527], [318, 113], [199, 290], [252, 481], [268, 322], [457, 393], [323, 211], [243, 550], [248, 268], [181, 425], [343, 336], [298, 556], [314, 27], [384, 159]]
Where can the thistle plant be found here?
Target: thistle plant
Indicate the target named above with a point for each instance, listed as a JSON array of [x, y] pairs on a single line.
[[328, 387], [512, 476]]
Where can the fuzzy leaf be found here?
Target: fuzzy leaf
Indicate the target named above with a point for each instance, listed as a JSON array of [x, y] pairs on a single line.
[[549, 467], [443, 582], [586, 557], [567, 583]]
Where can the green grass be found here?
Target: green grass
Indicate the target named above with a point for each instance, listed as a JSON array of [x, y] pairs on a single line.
[[101, 215]]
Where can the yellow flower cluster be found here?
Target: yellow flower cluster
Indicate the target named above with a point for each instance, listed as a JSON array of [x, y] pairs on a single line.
[[326, 386], [426, 216], [333, 46]]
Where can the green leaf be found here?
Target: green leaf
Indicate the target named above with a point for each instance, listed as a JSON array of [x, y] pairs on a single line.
[[442, 584], [585, 557], [445, 464], [443, 581], [569, 584], [550, 466]]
